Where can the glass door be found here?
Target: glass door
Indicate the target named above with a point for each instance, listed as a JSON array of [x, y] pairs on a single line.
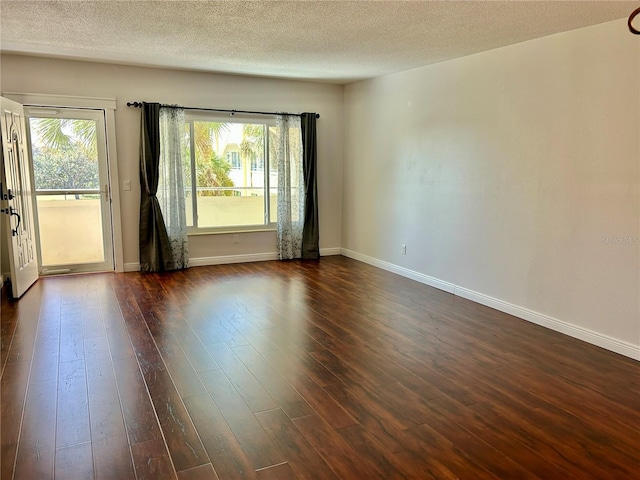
[[71, 188]]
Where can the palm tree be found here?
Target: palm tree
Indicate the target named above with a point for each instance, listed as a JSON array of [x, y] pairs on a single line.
[[65, 153], [207, 138], [58, 133], [212, 170], [214, 173], [252, 144]]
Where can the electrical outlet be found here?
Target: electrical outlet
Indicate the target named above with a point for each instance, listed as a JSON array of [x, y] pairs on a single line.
[[404, 249], [236, 239], [126, 185]]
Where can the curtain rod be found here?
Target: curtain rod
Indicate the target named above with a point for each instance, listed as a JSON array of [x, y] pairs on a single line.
[[232, 112]]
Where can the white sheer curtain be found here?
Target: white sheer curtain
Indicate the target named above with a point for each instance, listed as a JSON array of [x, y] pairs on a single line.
[[288, 150], [171, 182]]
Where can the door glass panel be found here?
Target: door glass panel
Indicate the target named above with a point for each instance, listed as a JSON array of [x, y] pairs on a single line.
[[70, 229], [65, 154], [68, 152]]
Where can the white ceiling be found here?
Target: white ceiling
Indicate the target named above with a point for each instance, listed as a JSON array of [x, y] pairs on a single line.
[[333, 41]]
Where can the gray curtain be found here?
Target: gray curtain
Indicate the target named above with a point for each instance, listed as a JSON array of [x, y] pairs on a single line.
[[155, 248], [310, 230]]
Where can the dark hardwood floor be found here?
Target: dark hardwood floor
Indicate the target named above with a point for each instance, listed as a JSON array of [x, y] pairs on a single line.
[[283, 370]]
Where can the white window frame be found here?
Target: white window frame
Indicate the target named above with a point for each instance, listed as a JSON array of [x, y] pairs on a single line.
[[205, 116]]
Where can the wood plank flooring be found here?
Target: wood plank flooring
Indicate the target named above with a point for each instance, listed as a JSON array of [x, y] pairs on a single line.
[[290, 370]]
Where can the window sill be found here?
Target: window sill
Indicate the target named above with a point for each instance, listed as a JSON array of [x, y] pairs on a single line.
[[228, 231]]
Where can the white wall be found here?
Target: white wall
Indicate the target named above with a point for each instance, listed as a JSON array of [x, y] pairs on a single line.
[[503, 172], [124, 83]]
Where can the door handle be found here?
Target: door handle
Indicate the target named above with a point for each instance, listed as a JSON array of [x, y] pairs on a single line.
[[12, 211], [106, 192], [6, 196]]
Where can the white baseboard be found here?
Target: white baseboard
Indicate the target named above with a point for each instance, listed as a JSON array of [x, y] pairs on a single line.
[[405, 272], [589, 336], [218, 260], [227, 259], [327, 252], [581, 333]]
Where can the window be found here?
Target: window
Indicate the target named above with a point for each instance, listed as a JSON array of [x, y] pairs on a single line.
[[226, 187], [257, 164], [234, 160]]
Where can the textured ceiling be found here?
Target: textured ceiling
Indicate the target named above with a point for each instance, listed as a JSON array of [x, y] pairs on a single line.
[[335, 41]]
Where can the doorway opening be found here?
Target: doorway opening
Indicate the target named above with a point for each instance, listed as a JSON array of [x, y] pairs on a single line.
[[70, 175]]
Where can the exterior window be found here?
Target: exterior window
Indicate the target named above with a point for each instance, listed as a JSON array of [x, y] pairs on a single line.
[[225, 183], [234, 160], [257, 164]]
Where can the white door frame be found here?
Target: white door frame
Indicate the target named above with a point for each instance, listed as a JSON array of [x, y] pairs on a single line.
[[102, 189], [33, 100]]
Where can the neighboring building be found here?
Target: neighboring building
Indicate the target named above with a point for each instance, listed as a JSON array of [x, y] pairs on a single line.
[[239, 171], [247, 174]]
